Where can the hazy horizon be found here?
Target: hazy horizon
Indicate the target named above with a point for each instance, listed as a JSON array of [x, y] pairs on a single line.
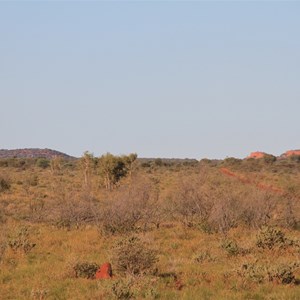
[[162, 79]]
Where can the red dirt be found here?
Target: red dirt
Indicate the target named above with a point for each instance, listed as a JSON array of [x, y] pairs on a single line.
[[246, 180]]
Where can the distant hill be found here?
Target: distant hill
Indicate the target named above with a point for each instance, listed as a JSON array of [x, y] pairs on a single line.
[[33, 153]]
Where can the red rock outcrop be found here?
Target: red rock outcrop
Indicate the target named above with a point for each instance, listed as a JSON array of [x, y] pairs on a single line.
[[291, 152], [257, 154], [104, 272]]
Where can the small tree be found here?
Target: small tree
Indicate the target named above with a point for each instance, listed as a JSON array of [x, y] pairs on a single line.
[[113, 168], [87, 162]]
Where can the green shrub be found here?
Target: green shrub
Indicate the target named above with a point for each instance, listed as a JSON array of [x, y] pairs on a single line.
[[4, 184], [203, 256], [86, 269], [259, 273], [122, 289], [253, 272], [3, 243], [270, 237], [283, 274], [19, 240], [231, 247], [43, 163], [131, 256]]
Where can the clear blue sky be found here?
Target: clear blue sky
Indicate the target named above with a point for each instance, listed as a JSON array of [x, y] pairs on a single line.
[[162, 79]]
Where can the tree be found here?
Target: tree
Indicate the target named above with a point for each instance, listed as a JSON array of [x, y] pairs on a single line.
[[87, 162], [113, 168]]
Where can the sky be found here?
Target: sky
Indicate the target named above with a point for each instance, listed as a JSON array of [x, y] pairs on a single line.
[[158, 78]]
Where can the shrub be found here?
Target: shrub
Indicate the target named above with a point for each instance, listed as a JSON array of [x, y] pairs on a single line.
[[122, 289], [268, 273], [73, 211], [134, 208], [3, 243], [4, 184], [191, 206], [43, 163], [86, 269], [19, 240], [132, 256], [203, 256], [231, 247], [254, 272], [257, 208], [31, 180], [270, 237], [283, 273]]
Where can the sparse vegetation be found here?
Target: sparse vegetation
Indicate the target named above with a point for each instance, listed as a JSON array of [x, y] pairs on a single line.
[[171, 229]]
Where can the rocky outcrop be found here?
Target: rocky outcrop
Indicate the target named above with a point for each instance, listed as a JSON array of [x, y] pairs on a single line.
[[257, 155], [290, 153]]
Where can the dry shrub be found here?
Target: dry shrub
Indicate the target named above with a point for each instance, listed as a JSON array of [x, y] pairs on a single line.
[[212, 203], [133, 208], [225, 213], [258, 208], [73, 209], [192, 203]]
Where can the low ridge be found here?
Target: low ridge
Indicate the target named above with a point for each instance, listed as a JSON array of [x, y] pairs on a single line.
[[33, 153]]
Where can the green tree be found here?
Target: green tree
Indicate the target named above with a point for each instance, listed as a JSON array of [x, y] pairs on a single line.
[[112, 168]]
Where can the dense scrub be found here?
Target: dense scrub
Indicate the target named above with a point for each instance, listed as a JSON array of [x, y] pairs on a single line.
[[171, 229]]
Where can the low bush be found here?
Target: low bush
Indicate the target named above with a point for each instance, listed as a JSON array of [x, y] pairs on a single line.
[[203, 256], [258, 273], [85, 269], [122, 289], [132, 256], [19, 240], [270, 237], [231, 247], [4, 184]]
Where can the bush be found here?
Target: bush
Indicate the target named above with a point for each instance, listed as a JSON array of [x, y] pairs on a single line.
[[3, 243], [122, 289], [191, 206], [134, 208], [231, 247], [269, 238], [43, 163], [253, 272], [4, 184], [283, 274], [86, 269], [203, 256], [19, 240], [131, 256], [266, 273]]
